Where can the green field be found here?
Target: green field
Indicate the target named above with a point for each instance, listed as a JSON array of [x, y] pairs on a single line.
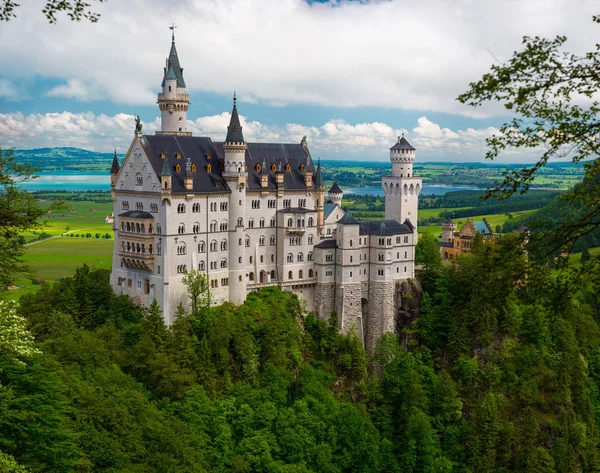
[[59, 257]]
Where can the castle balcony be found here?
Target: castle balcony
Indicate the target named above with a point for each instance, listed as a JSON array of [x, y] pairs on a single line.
[[138, 261], [295, 230], [174, 98], [290, 283]]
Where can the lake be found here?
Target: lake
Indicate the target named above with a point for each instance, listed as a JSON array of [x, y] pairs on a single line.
[[73, 181]]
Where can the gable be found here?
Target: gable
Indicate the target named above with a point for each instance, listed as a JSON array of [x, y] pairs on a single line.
[[137, 172]]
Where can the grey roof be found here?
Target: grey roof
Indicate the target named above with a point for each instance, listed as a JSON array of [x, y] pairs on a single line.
[[445, 244], [170, 73], [198, 148], [319, 176], [385, 227], [280, 155], [329, 243], [114, 169], [301, 210], [234, 130], [136, 214], [348, 219], [335, 189], [329, 207], [173, 61], [403, 144]]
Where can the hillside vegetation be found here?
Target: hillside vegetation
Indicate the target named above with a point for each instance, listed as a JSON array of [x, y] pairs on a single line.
[[497, 377]]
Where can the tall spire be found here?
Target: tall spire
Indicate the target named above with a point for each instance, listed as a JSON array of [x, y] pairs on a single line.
[[173, 61], [319, 176], [166, 169], [234, 130], [115, 164]]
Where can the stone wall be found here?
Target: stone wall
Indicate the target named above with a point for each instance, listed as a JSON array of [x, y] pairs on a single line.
[[324, 300], [381, 312]]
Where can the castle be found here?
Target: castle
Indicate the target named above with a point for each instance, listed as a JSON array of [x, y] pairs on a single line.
[[455, 243], [252, 215]]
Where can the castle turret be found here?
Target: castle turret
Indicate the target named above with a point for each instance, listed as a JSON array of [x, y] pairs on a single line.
[[165, 175], [335, 194], [173, 102], [402, 188], [320, 199], [236, 177], [114, 169], [448, 229]]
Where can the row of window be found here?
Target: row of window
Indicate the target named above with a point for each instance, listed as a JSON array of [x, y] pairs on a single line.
[[300, 222], [137, 247], [136, 227], [139, 206]]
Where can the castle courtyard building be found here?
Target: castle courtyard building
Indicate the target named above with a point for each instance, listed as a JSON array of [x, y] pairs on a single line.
[[252, 215]]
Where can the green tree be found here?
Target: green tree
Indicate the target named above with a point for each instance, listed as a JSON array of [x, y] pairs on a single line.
[[200, 295], [585, 254], [427, 252], [19, 212], [539, 85]]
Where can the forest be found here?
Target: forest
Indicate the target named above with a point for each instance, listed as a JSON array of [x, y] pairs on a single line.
[[501, 377]]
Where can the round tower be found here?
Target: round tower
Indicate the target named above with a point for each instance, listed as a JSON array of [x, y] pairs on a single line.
[[402, 188], [402, 156], [335, 194], [448, 229], [173, 102]]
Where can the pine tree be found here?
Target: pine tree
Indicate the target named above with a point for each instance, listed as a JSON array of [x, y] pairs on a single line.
[[585, 254]]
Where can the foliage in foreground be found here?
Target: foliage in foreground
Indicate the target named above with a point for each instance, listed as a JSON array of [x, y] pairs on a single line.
[[505, 378]]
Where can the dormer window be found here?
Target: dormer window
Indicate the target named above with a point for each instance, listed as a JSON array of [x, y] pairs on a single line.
[[209, 168], [178, 168], [273, 167], [193, 168], [302, 167], [287, 168], [208, 155], [178, 155], [163, 155], [258, 167]]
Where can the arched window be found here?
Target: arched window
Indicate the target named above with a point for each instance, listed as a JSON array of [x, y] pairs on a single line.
[[240, 222], [213, 245], [158, 229], [287, 168], [193, 168], [201, 266], [310, 273], [272, 240], [310, 221], [201, 247], [311, 239], [181, 229], [223, 245], [261, 241], [272, 222], [180, 208], [196, 228], [290, 258], [273, 167], [300, 274], [209, 168], [261, 223], [309, 257], [150, 249], [224, 263], [139, 180], [247, 241], [290, 222], [123, 226], [300, 257], [178, 168], [146, 286], [251, 276], [290, 275], [251, 223]]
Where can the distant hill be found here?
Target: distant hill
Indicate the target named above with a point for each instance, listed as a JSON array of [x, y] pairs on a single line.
[[66, 158]]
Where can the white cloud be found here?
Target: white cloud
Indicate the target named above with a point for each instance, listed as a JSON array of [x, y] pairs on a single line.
[[11, 92], [336, 139], [405, 54], [74, 89]]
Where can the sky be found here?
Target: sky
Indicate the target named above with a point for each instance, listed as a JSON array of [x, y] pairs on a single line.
[[350, 75]]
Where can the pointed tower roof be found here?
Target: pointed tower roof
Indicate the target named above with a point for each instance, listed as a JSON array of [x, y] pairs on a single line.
[[166, 169], [263, 168], [348, 219], [319, 176], [115, 164], [402, 144], [234, 130], [335, 189], [173, 62]]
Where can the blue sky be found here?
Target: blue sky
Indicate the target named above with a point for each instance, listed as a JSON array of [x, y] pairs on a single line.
[[349, 75]]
